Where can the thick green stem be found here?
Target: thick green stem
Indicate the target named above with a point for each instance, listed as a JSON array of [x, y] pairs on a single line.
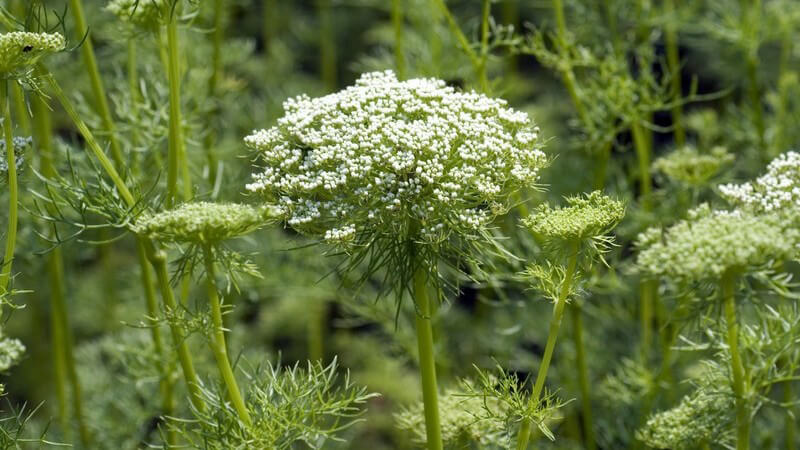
[[327, 45], [165, 385], [427, 362], [158, 259], [399, 27], [583, 379], [13, 191], [177, 151], [217, 341], [98, 91], [552, 336], [790, 421], [728, 285], [481, 69], [213, 82], [642, 146], [316, 330], [751, 17], [674, 64], [270, 24]]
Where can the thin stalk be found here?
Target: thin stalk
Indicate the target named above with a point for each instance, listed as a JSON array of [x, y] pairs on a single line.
[[158, 258], [23, 121], [787, 46], [399, 27], [177, 150], [750, 18], [13, 191], [133, 72], [217, 340], [510, 14], [427, 362], [483, 78], [728, 285], [165, 384], [55, 265], [583, 379], [316, 330], [327, 45], [98, 91], [213, 82], [66, 345], [674, 64], [642, 146], [790, 420], [477, 61], [552, 335]]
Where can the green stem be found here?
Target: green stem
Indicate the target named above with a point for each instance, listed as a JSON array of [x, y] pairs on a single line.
[[177, 150], [98, 91], [270, 24], [13, 191], [750, 17], [158, 259], [327, 45], [674, 64], [646, 316], [213, 82], [583, 379], [790, 420], [91, 141], [316, 330], [217, 341], [165, 384], [728, 285], [642, 146], [427, 362], [552, 336], [23, 121], [55, 265], [481, 69], [133, 72], [399, 27]]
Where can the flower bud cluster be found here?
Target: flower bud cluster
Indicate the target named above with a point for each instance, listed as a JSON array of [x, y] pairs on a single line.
[[710, 243], [141, 13], [202, 222], [585, 217], [688, 166], [408, 160], [21, 49]]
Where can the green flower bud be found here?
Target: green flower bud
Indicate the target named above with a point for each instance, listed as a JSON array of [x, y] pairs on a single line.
[[586, 217], [141, 13], [687, 165], [20, 50], [203, 222]]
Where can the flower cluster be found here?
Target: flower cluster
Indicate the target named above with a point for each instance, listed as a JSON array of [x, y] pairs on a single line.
[[710, 243], [11, 350], [688, 166], [776, 190], [585, 217], [20, 50], [401, 161], [141, 13], [203, 222]]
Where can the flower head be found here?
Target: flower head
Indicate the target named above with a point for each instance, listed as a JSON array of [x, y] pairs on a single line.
[[711, 243], [141, 13], [20, 50], [776, 190], [203, 222], [20, 144], [392, 161], [688, 166], [585, 217], [11, 351]]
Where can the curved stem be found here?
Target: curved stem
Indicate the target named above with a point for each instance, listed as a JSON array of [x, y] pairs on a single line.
[[728, 284], [159, 261], [217, 340], [13, 191], [552, 336], [427, 362], [98, 91]]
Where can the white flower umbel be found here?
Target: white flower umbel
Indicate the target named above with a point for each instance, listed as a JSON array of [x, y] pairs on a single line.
[[401, 174], [395, 160], [776, 190]]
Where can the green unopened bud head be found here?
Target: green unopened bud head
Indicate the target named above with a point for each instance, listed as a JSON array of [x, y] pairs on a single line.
[[705, 416], [710, 243], [687, 165], [585, 217], [20, 50], [141, 13], [203, 222]]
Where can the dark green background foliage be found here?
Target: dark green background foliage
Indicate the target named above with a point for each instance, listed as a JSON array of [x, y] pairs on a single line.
[[713, 83]]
